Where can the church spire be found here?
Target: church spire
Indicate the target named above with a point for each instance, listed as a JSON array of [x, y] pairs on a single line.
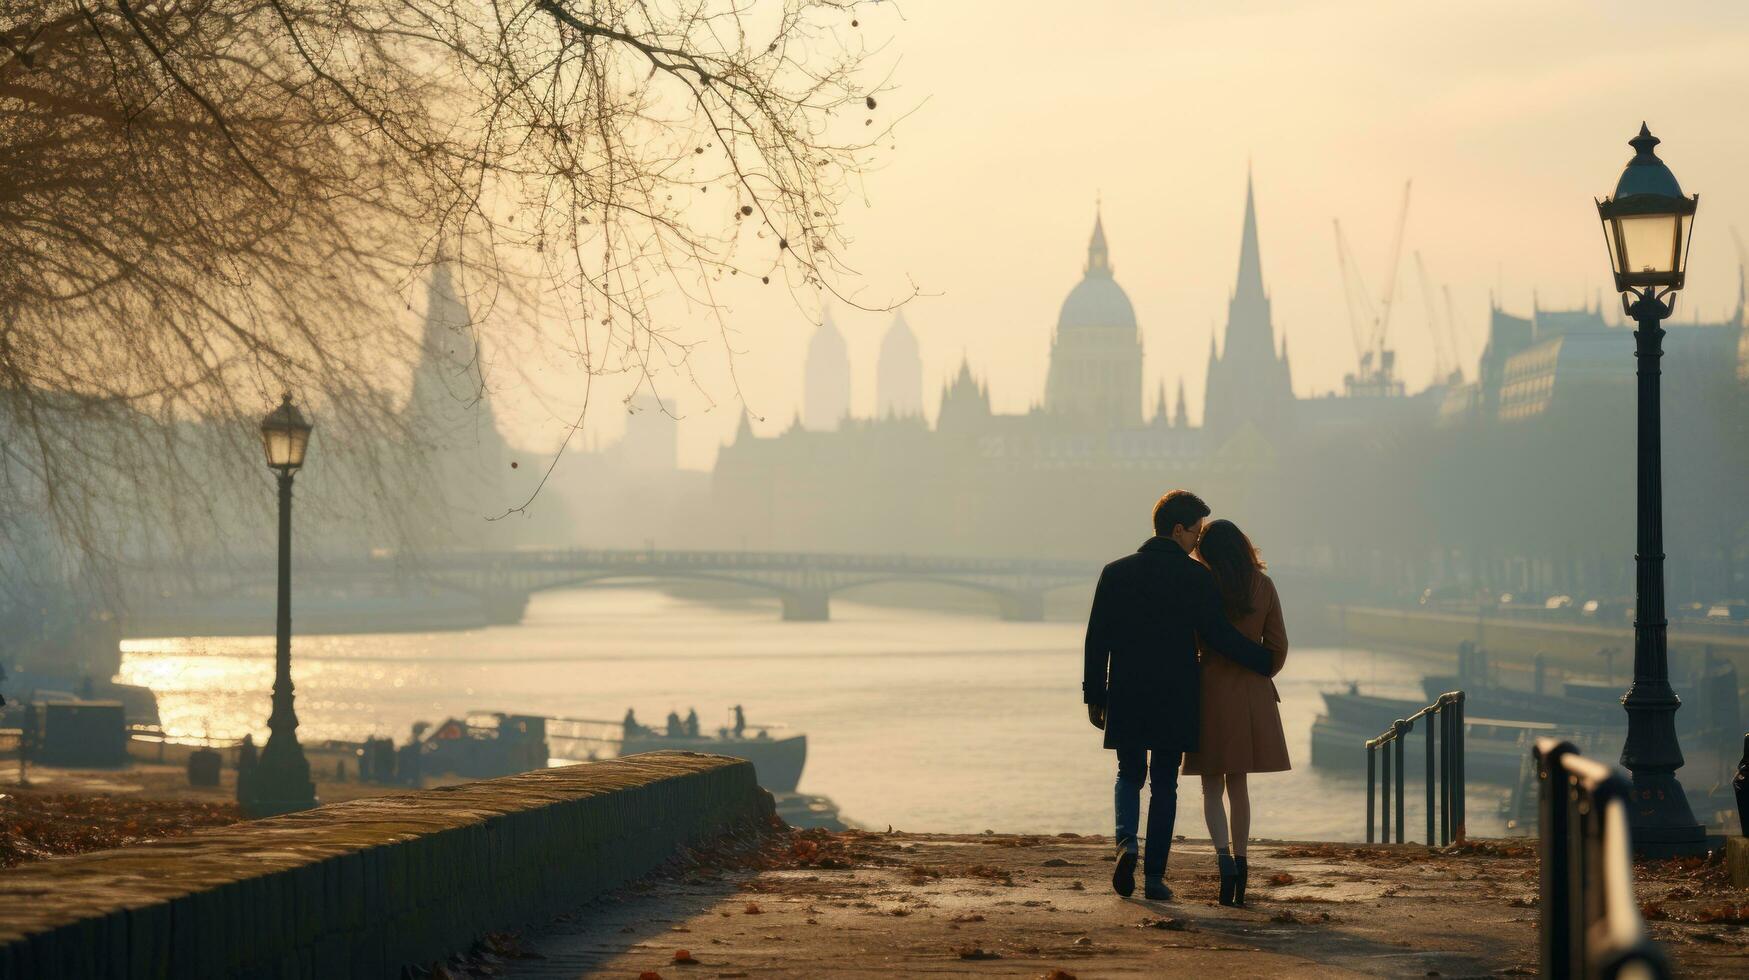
[[1098, 254], [1181, 420], [1250, 281], [1161, 416]]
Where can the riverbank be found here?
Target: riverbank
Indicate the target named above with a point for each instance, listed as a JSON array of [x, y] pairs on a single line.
[[62, 812], [1569, 647], [883, 905]]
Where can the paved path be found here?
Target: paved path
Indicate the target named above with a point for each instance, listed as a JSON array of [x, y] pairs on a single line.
[[903, 905]]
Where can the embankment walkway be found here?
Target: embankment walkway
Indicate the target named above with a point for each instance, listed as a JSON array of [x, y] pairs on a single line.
[[671, 864], [905, 905]]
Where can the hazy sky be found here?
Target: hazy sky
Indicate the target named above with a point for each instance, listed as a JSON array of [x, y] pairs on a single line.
[[1508, 116]]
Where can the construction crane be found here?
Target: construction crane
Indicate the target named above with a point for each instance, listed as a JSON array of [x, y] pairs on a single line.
[[1457, 373], [1742, 272], [1361, 314], [1441, 362], [1371, 326]]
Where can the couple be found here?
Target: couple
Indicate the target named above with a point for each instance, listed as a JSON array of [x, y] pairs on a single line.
[[1192, 589]]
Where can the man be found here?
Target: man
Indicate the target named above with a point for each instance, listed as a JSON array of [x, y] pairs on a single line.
[[1142, 682]]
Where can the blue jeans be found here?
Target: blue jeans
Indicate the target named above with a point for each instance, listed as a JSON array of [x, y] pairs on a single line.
[[1132, 771]]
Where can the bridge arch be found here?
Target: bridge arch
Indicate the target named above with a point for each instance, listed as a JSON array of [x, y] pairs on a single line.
[[1015, 605], [798, 604]]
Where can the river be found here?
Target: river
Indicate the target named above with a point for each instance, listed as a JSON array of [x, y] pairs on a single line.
[[924, 721]]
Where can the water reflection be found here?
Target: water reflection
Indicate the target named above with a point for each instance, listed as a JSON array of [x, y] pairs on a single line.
[[925, 721]]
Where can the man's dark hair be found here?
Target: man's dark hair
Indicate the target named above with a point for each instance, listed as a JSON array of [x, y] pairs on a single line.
[[1179, 508]]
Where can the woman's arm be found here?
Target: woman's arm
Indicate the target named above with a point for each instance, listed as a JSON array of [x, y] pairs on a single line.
[[1274, 631]]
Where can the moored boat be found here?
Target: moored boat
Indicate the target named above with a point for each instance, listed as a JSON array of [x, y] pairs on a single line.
[[777, 761]]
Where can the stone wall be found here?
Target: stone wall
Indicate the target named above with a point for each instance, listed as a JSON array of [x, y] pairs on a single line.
[[359, 889]]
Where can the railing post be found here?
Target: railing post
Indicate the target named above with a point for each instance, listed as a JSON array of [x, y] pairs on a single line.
[[1554, 824], [1385, 792], [1458, 766], [1430, 774], [1369, 791], [1444, 770], [1398, 732]]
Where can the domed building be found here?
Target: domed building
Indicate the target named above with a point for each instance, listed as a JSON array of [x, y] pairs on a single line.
[[1096, 355]]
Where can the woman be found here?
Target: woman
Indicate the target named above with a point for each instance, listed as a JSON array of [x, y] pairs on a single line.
[[1241, 725]]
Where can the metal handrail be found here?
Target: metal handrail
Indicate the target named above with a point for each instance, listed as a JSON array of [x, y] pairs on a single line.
[[1591, 925], [1444, 773]]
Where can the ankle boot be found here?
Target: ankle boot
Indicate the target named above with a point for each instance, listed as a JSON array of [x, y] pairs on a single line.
[[1242, 877], [1229, 875]]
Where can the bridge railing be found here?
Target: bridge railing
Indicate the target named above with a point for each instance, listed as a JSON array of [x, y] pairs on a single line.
[[1444, 775], [1050, 570], [1591, 925]]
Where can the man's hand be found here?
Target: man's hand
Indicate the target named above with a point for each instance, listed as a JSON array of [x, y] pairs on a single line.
[[1096, 715]]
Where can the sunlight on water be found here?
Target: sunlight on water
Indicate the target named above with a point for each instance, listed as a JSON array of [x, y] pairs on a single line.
[[925, 721]]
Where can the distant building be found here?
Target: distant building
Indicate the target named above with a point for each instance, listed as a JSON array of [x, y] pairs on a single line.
[[826, 379], [1248, 376], [899, 373], [1096, 354], [965, 403], [1521, 480], [652, 439], [450, 416]]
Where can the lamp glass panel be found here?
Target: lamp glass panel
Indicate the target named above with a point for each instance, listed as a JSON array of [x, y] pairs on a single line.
[[277, 442], [1648, 243], [298, 441]]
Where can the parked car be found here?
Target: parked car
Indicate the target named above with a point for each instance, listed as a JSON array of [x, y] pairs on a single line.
[[1610, 611], [1730, 610]]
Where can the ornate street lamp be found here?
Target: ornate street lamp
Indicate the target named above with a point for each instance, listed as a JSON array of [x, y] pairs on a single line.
[[280, 781], [1648, 224]]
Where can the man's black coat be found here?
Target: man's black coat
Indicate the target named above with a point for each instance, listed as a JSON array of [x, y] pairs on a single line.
[[1148, 612]]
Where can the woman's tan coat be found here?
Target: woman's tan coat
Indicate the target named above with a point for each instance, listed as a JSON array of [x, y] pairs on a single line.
[[1241, 723]]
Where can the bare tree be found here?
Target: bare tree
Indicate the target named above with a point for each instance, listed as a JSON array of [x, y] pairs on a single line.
[[206, 202]]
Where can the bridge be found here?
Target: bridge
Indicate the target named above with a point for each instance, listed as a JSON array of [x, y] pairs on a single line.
[[804, 581]]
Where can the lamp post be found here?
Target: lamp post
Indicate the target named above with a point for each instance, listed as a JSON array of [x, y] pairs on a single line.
[[280, 781], [1648, 225]]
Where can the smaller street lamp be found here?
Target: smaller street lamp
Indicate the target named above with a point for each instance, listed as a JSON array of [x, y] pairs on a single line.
[[1648, 224], [280, 781]]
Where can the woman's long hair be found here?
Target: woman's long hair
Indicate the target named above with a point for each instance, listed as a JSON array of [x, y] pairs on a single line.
[[1229, 554]]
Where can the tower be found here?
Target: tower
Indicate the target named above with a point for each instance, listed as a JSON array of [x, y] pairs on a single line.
[[826, 382], [1248, 378], [1096, 354], [899, 373], [965, 403], [452, 417]]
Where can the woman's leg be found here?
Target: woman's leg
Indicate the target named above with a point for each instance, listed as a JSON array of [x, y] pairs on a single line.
[[1240, 797], [1212, 810]]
